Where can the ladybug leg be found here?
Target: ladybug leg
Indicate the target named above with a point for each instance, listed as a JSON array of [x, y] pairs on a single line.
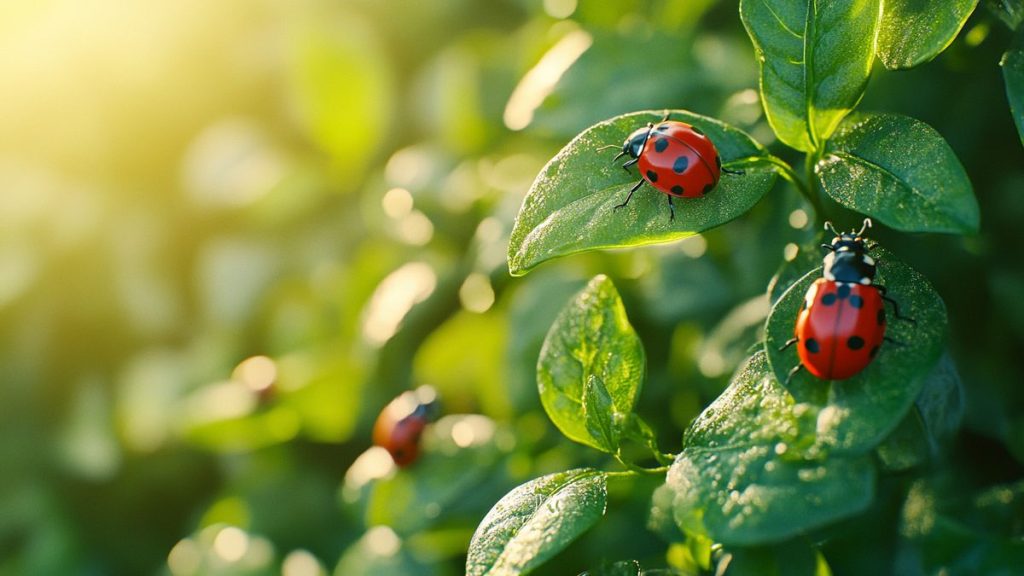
[[665, 117], [671, 209], [793, 373], [828, 247], [895, 305], [628, 164], [733, 172], [789, 343], [631, 190]]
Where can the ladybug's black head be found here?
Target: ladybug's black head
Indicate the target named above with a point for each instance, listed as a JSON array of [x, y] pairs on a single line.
[[634, 144], [847, 259]]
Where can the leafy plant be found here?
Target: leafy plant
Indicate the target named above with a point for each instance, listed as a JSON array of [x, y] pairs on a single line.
[[771, 466]]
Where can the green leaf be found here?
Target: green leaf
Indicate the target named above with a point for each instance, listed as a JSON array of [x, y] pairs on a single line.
[[571, 206], [599, 414], [900, 171], [535, 521], [855, 414], [815, 60], [746, 475], [1013, 75], [591, 366], [915, 31], [807, 256]]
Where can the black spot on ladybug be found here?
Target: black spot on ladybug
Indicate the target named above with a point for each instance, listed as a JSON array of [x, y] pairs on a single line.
[[855, 342], [856, 301], [652, 175], [697, 130], [828, 299], [660, 144], [681, 164], [881, 316], [677, 189], [874, 352], [812, 345], [718, 162], [843, 291], [662, 127], [707, 188]]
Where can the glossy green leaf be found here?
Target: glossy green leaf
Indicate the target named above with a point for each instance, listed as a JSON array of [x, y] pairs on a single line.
[[815, 60], [571, 206], [915, 31], [900, 171], [535, 521], [750, 472], [807, 256], [1013, 75], [855, 414], [599, 414], [591, 366]]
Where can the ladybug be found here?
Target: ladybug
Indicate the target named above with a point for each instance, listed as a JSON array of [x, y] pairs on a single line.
[[675, 158], [841, 324], [401, 423]]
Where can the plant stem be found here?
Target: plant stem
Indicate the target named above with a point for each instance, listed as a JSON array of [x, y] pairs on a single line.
[[811, 187], [640, 469], [803, 185]]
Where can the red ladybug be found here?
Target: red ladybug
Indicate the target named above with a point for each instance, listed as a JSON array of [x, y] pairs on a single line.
[[675, 158], [841, 325], [401, 423]]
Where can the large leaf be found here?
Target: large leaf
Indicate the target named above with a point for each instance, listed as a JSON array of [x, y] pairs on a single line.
[[855, 414], [900, 171], [915, 31], [815, 59], [749, 472], [535, 521], [591, 366], [571, 206], [1013, 75]]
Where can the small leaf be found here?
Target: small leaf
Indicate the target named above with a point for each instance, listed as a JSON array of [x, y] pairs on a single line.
[[815, 61], [599, 414], [1013, 75], [535, 521], [855, 414], [900, 171], [571, 206], [746, 475], [916, 31], [590, 342]]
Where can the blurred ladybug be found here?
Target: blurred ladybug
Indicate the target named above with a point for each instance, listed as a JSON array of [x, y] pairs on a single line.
[[675, 158], [841, 324], [401, 423]]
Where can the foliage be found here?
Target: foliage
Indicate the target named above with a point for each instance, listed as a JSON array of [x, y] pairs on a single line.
[[234, 231]]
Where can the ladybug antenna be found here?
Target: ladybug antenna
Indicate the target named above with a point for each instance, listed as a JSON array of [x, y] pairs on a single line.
[[607, 146], [867, 224], [830, 228]]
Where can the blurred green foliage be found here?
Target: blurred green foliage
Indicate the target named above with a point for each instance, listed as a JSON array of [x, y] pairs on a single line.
[[231, 231]]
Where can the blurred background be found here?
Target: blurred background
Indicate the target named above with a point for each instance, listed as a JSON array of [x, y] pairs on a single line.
[[231, 232]]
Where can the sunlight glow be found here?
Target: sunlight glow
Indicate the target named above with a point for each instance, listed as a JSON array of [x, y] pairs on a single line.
[[300, 563], [393, 299], [382, 541], [397, 203], [231, 544], [538, 83], [476, 293], [258, 373], [185, 558]]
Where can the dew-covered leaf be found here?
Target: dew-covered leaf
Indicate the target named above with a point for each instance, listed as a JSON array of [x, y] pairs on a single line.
[[591, 366], [815, 61], [915, 31], [752, 472], [900, 171], [570, 207], [621, 568], [535, 521], [855, 414]]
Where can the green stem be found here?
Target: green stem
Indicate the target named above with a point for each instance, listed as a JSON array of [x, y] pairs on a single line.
[[803, 185], [811, 187], [640, 469]]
